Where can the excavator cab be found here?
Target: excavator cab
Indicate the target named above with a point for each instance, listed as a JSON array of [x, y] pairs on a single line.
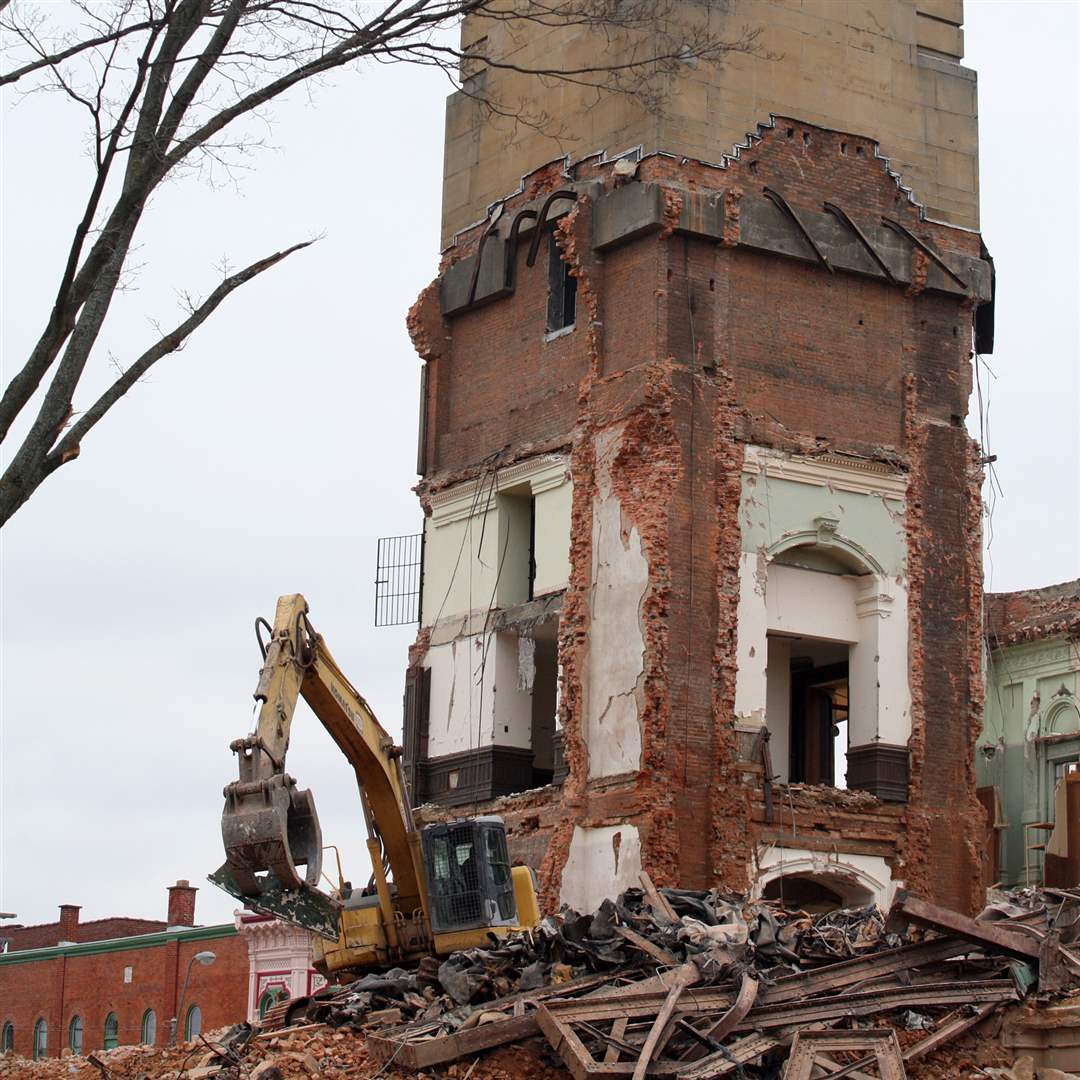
[[468, 875]]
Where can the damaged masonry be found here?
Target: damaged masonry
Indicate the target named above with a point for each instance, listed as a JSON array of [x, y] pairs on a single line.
[[702, 586]]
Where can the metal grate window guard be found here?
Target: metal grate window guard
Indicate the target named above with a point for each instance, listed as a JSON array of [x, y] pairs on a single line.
[[399, 568]]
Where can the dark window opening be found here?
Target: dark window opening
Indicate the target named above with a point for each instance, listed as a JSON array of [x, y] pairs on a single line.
[[819, 713], [544, 701], [802, 893], [532, 545], [562, 290]]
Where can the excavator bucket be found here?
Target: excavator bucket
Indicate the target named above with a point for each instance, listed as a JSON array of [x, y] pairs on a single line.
[[270, 829]]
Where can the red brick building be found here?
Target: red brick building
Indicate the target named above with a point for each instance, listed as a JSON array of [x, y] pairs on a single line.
[[702, 583], [70, 987]]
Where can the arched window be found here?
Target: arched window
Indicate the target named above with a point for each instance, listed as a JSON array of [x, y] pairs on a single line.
[[7, 1040], [270, 998], [75, 1035], [41, 1038], [149, 1027], [193, 1023], [112, 1032]]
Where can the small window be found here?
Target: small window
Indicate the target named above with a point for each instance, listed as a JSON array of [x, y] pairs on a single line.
[[270, 998], [41, 1039], [193, 1023], [7, 1040], [128, 974], [148, 1034], [562, 290], [75, 1035], [112, 1032]]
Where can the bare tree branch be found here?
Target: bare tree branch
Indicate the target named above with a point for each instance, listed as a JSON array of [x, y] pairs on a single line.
[[169, 87], [68, 447]]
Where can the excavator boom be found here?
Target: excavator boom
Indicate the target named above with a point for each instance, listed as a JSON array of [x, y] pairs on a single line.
[[270, 828]]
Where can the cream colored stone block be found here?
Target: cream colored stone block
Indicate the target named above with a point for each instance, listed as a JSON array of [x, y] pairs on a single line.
[[941, 37], [954, 94], [949, 10], [952, 131], [956, 171]]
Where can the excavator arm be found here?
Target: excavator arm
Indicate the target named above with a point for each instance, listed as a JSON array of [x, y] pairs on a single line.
[[269, 826]]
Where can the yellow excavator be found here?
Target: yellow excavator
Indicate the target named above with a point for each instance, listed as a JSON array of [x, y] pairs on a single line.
[[448, 887]]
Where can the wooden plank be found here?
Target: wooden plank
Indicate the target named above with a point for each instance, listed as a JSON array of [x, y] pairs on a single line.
[[901, 997], [947, 1032], [657, 902], [618, 1030], [660, 955], [993, 935], [652, 1042], [741, 1052], [445, 1048], [851, 972]]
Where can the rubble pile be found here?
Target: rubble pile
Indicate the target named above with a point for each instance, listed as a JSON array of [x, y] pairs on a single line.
[[688, 985]]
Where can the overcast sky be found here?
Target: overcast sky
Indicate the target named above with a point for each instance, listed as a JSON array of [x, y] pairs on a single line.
[[269, 455]]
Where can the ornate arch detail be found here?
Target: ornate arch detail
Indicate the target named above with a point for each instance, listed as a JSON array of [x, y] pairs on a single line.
[[827, 870], [1058, 713], [825, 535]]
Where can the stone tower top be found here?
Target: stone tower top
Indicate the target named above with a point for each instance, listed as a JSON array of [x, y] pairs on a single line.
[[887, 69]]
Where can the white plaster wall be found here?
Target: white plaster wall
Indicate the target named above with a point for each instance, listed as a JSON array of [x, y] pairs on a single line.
[[870, 872], [498, 710], [616, 646], [778, 705], [553, 539], [880, 692], [599, 867], [812, 604], [459, 571], [459, 719], [512, 555], [511, 704], [753, 624]]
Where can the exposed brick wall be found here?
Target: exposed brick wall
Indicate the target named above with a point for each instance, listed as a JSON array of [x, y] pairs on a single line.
[[1032, 614], [91, 986], [697, 347]]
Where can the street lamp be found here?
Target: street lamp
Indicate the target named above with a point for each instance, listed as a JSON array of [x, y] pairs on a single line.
[[204, 958]]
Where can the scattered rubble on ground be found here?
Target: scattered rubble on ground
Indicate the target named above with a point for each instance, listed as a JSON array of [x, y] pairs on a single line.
[[688, 985]]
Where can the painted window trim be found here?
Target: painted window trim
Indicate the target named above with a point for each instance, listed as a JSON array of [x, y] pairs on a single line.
[[148, 1016], [40, 1048], [193, 1011], [111, 1043], [76, 1025]]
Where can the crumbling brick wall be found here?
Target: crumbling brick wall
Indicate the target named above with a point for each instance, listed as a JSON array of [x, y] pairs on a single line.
[[696, 348]]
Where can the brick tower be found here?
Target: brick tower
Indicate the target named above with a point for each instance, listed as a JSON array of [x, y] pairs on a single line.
[[702, 573]]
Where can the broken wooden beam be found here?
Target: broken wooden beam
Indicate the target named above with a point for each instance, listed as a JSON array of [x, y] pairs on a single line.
[[664, 911], [993, 935], [683, 978]]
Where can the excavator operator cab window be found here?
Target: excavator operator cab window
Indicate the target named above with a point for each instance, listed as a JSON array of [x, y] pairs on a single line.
[[469, 882]]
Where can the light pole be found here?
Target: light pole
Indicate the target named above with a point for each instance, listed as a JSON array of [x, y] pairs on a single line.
[[204, 958]]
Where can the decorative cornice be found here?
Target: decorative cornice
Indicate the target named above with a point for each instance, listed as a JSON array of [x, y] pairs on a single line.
[[832, 471], [461, 501]]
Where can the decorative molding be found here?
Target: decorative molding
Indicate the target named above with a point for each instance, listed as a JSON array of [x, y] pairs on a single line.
[[476, 775], [460, 502], [835, 540], [831, 471], [880, 769]]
